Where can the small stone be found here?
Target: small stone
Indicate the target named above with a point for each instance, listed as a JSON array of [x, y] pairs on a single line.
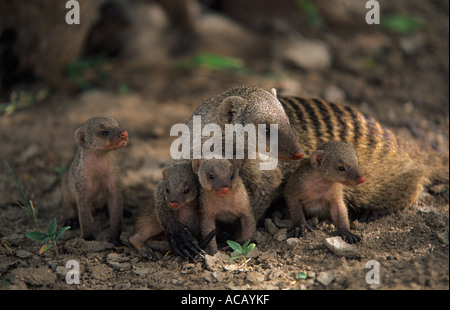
[[281, 235], [306, 54], [114, 257], [217, 261], [23, 254], [340, 247], [255, 277], [325, 278], [443, 237], [219, 276], [61, 271], [141, 271], [270, 226], [293, 241], [119, 266]]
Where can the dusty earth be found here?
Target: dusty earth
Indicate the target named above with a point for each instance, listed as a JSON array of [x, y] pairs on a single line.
[[400, 79]]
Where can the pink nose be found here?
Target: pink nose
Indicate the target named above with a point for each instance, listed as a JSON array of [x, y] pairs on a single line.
[[297, 155], [123, 134], [361, 180], [224, 190], [173, 205]]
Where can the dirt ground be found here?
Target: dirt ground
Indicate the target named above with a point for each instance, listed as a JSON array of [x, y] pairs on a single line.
[[399, 79]]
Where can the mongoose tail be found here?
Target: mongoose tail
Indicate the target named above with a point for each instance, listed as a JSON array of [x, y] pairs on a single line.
[[397, 169]]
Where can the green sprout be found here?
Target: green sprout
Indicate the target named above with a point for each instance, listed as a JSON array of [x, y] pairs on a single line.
[[302, 275], [48, 237], [401, 24], [311, 11], [241, 252]]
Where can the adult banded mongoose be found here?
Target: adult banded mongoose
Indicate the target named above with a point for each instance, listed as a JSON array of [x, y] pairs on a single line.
[[396, 169], [223, 197], [177, 195], [316, 188], [244, 105], [92, 179]]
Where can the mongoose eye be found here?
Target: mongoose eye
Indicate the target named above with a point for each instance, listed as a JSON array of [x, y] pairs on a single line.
[[167, 190], [104, 133], [186, 190], [211, 176], [341, 168], [232, 176]]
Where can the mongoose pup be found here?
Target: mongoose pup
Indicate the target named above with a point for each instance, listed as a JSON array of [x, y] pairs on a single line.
[[245, 105], [316, 188], [92, 179], [223, 197], [396, 169], [177, 194]]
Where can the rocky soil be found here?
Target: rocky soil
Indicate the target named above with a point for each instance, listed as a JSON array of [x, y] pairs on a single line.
[[399, 79]]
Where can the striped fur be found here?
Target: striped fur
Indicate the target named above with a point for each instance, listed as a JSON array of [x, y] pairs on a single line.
[[395, 173]]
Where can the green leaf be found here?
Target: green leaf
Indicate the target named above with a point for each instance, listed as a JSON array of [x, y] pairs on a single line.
[[234, 245], [302, 275], [60, 232], [248, 249], [234, 257], [401, 24], [36, 235], [245, 245], [51, 228], [46, 240]]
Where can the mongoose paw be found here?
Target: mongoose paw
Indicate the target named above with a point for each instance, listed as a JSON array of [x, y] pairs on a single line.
[[301, 230], [88, 237], [349, 237], [370, 215], [115, 240], [72, 222], [184, 244], [148, 253]]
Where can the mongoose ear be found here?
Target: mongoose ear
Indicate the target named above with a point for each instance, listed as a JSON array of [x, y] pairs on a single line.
[[274, 92], [196, 165], [227, 106], [79, 137], [317, 158]]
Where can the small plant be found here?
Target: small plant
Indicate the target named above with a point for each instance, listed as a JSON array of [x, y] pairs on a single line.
[[5, 244], [311, 11], [51, 235], [401, 24], [302, 275], [241, 252]]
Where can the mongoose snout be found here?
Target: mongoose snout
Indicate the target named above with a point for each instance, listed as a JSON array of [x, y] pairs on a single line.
[[297, 155]]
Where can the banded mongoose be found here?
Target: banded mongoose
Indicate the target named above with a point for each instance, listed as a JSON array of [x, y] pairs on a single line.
[[224, 198], [316, 188], [92, 179], [396, 169], [245, 105], [177, 195]]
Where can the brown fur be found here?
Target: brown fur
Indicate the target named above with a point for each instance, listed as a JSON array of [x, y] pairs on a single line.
[[316, 188], [223, 197], [177, 193], [242, 105], [396, 169], [92, 179]]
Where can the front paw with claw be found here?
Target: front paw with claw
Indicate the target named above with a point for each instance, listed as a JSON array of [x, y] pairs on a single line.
[[300, 230], [184, 244]]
